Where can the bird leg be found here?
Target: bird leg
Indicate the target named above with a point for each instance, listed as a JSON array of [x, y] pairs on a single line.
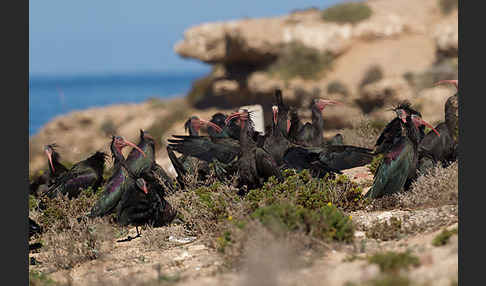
[[129, 238]]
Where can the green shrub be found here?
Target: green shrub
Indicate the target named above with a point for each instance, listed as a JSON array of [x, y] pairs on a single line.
[[327, 223], [298, 60], [302, 189], [447, 6], [199, 89], [443, 237], [108, 127], [337, 87], [373, 74], [392, 262], [347, 13], [163, 123], [37, 278]]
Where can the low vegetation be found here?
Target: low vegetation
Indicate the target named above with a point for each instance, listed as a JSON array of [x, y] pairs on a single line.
[[443, 237], [162, 124], [373, 74], [392, 262], [298, 60], [352, 12], [447, 6], [337, 87]]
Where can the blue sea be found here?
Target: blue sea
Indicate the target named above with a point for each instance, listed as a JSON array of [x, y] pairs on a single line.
[[53, 96]]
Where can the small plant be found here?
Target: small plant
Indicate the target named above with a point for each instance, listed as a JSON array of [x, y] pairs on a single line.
[[392, 262], [373, 74], [163, 123], [337, 87], [327, 223], [447, 6], [443, 237], [347, 13], [200, 88], [108, 127], [37, 278], [386, 230], [298, 60]]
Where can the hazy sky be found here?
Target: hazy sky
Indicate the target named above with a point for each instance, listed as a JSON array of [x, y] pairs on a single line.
[[79, 37]]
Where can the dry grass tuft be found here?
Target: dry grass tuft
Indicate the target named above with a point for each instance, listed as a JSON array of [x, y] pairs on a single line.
[[80, 242], [437, 188]]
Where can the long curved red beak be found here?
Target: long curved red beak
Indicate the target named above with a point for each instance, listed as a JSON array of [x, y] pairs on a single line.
[[135, 146], [455, 82], [209, 123], [427, 124], [288, 125], [49, 157], [231, 117]]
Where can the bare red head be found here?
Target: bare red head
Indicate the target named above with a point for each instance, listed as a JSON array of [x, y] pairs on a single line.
[[121, 143]]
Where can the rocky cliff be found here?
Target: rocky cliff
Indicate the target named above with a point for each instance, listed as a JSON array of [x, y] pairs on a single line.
[[410, 43]]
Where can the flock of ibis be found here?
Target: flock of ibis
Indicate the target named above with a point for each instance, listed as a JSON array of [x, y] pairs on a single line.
[[233, 149]]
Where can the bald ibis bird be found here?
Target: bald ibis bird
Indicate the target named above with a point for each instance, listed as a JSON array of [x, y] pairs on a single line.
[[433, 148], [142, 204], [188, 162], [145, 165], [121, 179], [276, 142], [254, 164], [310, 134], [82, 175], [394, 128], [55, 169], [400, 160]]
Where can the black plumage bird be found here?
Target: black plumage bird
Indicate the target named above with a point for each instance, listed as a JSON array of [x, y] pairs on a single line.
[[434, 149], [144, 204], [310, 134], [254, 164], [189, 162], [400, 160], [394, 128], [121, 179], [84, 174], [41, 184], [276, 142], [145, 165]]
